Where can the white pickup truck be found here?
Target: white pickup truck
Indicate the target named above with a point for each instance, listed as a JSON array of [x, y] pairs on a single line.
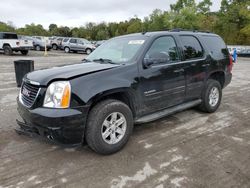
[[10, 43]]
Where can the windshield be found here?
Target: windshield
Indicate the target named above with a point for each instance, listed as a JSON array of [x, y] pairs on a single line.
[[118, 50]]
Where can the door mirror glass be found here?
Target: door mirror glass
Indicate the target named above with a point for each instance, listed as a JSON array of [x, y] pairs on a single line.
[[156, 58]]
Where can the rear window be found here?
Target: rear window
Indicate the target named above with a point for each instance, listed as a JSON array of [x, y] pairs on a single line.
[[192, 47], [216, 46], [10, 36]]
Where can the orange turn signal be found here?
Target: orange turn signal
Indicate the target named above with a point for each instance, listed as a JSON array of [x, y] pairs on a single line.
[[66, 97]]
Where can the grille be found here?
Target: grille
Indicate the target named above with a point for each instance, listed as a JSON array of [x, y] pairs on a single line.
[[29, 93]]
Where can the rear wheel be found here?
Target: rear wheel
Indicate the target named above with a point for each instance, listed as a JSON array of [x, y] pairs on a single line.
[[24, 52], [109, 126], [7, 50], [211, 96], [54, 46]]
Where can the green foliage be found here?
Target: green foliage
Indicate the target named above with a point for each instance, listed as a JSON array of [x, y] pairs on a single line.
[[6, 27], [232, 22]]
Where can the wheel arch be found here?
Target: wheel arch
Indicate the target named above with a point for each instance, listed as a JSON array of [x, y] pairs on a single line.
[[219, 76], [124, 95], [6, 44]]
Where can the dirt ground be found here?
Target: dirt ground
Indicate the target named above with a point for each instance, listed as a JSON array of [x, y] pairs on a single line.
[[188, 149]]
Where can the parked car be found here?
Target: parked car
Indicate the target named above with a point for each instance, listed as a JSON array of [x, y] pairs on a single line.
[[130, 79], [64, 42], [99, 43], [39, 43], [77, 45], [56, 43], [9, 43]]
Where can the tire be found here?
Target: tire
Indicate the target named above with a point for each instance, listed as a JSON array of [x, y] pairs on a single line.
[[54, 47], [211, 97], [88, 51], [7, 50], [96, 127], [67, 49], [24, 52], [38, 48]]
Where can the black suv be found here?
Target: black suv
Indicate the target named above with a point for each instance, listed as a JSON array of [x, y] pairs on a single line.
[[130, 79]]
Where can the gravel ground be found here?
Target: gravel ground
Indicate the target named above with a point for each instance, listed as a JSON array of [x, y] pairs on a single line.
[[188, 149]]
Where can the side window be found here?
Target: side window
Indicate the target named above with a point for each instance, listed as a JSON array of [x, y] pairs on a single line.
[[216, 46], [1, 35], [79, 41], [9, 36], [65, 39], [192, 47], [73, 41], [163, 50]]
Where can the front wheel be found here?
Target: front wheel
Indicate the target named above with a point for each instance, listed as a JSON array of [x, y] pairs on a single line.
[[109, 126], [66, 49], [7, 50], [211, 96], [88, 51], [38, 48]]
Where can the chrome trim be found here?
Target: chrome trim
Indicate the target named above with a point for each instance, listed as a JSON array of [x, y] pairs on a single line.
[[34, 83], [21, 100], [177, 63], [31, 82]]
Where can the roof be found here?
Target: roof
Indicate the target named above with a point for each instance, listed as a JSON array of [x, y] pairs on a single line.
[[174, 31]]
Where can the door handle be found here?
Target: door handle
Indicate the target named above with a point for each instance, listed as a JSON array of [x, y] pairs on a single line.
[[205, 65], [178, 70]]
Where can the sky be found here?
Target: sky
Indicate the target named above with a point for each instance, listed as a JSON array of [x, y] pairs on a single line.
[[75, 13]]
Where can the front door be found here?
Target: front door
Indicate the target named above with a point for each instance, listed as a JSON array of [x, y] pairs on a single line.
[[73, 44], [162, 80]]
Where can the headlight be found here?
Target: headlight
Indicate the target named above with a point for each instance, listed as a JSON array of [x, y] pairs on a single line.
[[58, 95]]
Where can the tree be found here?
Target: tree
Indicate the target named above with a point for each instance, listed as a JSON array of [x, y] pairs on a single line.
[[180, 4], [135, 25], [204, 6], [52, 27], [231, 22], [6, 28]]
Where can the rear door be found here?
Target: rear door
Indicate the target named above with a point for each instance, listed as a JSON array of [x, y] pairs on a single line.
[[80, 44], [196, 65], [162, 84]]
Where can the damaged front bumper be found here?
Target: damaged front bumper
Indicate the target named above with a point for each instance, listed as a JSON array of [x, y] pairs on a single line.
[[65, 126]]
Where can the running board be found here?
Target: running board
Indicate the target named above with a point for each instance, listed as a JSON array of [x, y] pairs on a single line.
[[167, 112]]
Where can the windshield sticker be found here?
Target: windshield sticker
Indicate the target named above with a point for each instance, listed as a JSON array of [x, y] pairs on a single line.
[[136, 42]]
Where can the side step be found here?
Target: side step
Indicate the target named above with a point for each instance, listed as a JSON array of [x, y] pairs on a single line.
[[166, 112]]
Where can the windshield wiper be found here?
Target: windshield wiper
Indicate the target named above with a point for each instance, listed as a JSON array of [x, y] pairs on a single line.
[[86, 60], [101, 60]]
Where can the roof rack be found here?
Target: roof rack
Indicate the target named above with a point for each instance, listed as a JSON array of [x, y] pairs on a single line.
[[195, 31]]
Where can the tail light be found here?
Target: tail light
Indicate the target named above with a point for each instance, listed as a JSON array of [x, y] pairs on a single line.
[[230, 66], [17, 43]]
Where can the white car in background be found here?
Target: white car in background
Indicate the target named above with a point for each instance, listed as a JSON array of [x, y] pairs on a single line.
[[9, 43]]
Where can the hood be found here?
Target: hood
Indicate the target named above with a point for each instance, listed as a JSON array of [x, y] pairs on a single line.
[[43, 77]]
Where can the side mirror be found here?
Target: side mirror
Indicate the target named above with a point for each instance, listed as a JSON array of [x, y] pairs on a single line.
[[156, 58]]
